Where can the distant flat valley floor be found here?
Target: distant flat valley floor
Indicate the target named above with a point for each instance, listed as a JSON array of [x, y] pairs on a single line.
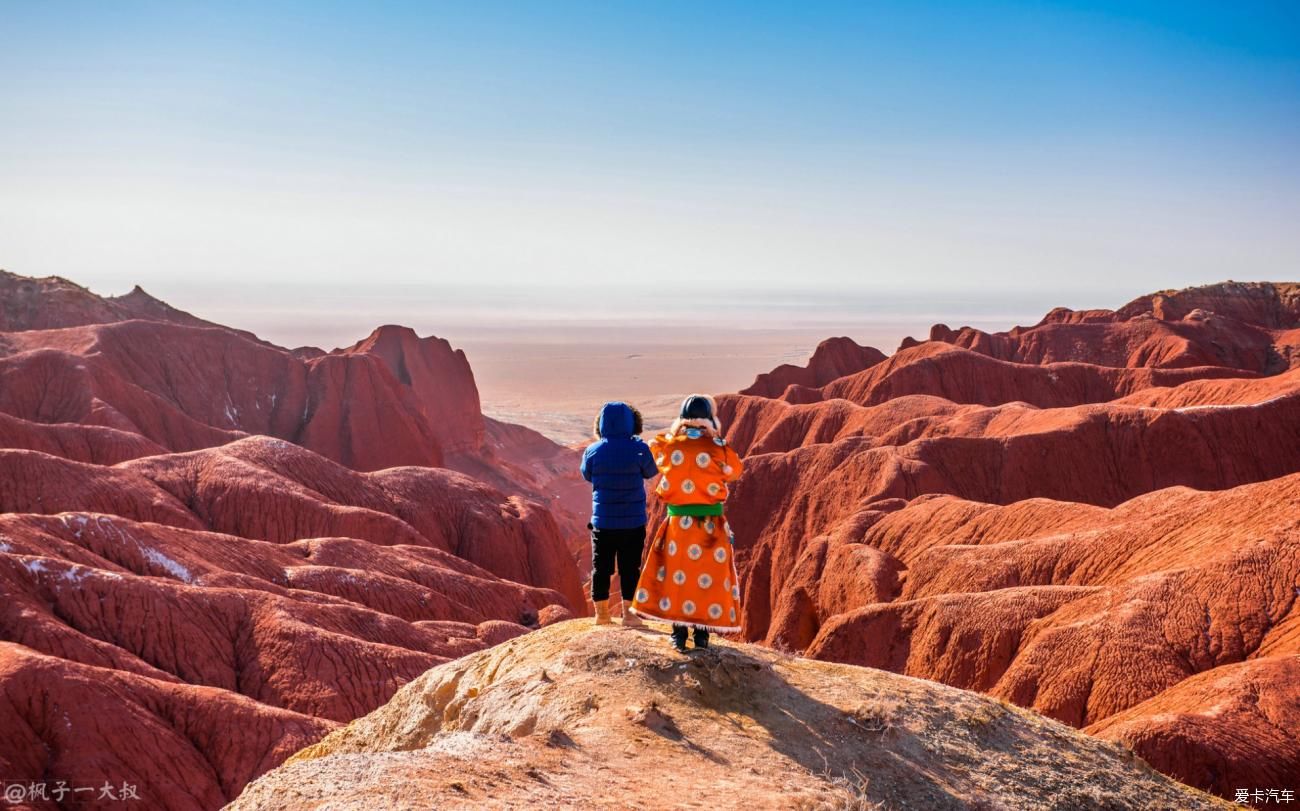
[[554, 380], [549, 358]]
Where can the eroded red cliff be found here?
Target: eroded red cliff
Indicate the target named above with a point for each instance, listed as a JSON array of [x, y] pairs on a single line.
[[1097, 517], [213, 549]]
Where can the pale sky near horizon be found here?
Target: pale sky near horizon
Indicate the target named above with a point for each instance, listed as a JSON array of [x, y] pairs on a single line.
[[1052, 153]]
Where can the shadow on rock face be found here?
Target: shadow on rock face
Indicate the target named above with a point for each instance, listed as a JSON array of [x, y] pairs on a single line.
[[572, 715]]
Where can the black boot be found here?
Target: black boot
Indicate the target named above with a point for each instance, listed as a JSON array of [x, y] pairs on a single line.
[[701, 639], [679, 638]]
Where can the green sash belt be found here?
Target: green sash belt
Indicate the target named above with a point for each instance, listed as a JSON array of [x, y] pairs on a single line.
[[695, 509]]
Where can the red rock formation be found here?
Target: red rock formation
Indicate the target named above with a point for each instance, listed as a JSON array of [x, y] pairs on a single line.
[[964, 376], [1238, 326], [100, 725], [80, 443], [833, 358], [1274, 306], [212, 549], [1010, 512], [54, 303], [1085, 614], [438, 377], [554, 719], [317, 621], [757, 425], [391, 400], [1234, 724]]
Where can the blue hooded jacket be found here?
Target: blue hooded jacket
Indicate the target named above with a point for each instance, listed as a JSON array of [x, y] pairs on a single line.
[[617, 466]]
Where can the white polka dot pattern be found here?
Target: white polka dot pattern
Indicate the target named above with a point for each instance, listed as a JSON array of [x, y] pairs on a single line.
[[689, 573]]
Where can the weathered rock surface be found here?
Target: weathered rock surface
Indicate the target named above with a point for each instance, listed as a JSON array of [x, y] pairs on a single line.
[[183, 747], [326, 628], [53, 303], [134, 364], [213, 549], [964, 376], [573, 716], [1236, 325], [201, 529], [1267, 304], [439, 379], [1235, 722], [832, 359], [1011, 513]]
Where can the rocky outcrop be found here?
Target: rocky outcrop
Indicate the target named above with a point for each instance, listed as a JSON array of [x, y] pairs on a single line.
[[1272, 305], [390, 400], [360, 582], [185, 388], [1233, 722], [1013, 513], [964, 376], [832, 359], [575, 716], [1235, 325], [80, 443], [267, 489], [213, 550], [54, 302], [439, 380], [140, 368], [107, 726]]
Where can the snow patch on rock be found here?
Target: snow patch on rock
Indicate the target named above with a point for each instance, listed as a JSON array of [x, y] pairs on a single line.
[[168, 565]]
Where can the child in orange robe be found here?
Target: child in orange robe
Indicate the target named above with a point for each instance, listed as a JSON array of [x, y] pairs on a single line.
[[689, 577]]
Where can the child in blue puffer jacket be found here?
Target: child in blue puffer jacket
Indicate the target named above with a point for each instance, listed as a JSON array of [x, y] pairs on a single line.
[[617, 465]]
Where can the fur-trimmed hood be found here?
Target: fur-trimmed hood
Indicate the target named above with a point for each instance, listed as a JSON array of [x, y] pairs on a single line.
[[616, 421], [713, 426]]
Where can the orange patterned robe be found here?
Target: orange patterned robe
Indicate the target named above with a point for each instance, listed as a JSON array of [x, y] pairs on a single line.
[[689, 575]]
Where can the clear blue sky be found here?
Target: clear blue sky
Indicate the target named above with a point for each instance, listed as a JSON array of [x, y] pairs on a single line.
[[1085, 151]]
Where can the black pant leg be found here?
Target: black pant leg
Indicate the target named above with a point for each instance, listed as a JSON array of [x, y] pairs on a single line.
[[604, 551], [629, 561]]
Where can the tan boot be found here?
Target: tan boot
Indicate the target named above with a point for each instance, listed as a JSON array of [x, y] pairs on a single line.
[[602, 611], [630, 619]]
